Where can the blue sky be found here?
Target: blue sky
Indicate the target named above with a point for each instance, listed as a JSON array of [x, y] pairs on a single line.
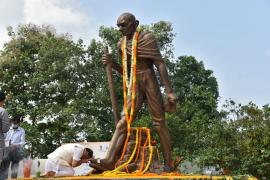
[[231, 37]]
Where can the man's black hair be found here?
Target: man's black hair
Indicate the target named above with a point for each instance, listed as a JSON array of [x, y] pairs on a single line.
[[17, 118], [2, 96], [90, 152]]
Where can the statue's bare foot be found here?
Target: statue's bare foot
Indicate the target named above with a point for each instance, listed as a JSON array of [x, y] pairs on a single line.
[[101, 165], [107, 164]]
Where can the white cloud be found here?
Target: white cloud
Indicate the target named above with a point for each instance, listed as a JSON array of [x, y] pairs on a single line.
[[10, 14], [10, 11], [55, 12], [67, 16]]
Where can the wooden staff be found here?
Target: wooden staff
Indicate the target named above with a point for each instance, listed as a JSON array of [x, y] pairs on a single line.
[[111, 88]]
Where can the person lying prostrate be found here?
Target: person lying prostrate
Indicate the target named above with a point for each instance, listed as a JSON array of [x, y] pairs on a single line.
[[62, 161]]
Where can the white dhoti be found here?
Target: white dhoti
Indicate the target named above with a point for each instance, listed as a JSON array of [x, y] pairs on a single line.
[[60, 170]]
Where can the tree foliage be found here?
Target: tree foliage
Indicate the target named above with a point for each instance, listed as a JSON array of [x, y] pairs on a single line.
[[60, 86], [196, 115], [47, 78], [251, 138]]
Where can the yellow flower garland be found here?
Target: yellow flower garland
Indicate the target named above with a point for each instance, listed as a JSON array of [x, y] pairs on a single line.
[[129, 83], [131, 87], [129, 91]]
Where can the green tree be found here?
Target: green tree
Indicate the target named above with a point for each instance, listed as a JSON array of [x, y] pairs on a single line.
[[253, 126], [241, 141], [196, 115], [40, 70]]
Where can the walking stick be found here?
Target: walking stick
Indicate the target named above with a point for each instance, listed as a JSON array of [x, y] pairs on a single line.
[[111, 88]]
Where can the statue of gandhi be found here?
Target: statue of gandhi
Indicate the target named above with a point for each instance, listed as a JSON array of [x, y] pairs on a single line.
[[147, 88]]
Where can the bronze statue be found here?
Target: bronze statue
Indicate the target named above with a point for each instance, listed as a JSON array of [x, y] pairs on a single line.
[[147, 88]]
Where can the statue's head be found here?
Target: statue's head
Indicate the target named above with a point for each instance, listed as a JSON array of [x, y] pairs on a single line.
[[127, 24]]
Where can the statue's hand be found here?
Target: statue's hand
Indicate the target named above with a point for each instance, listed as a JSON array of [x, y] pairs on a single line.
[[106, 59], [171, 97], [170, 106]]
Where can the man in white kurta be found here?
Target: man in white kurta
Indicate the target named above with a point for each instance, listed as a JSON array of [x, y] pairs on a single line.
[[62, 161], [14, 142]]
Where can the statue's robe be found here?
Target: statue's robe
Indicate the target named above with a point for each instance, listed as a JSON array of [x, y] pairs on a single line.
[[147, 84], [147, 46]]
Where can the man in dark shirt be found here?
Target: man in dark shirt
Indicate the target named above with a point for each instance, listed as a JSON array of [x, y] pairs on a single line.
[[4, 124]]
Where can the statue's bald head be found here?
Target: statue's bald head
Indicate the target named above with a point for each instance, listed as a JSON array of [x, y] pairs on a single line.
[[127, 23], [127, 16]]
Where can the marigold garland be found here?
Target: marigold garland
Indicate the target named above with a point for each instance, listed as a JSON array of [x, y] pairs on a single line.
[[143, 154], [129, 83], [129, 93], [128, 86], [150, 149], [139, 146], [131, 157]]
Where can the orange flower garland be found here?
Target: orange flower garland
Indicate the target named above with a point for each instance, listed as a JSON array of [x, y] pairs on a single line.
[[129, 93], [139, 146], [129, 86], [132, 78]]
